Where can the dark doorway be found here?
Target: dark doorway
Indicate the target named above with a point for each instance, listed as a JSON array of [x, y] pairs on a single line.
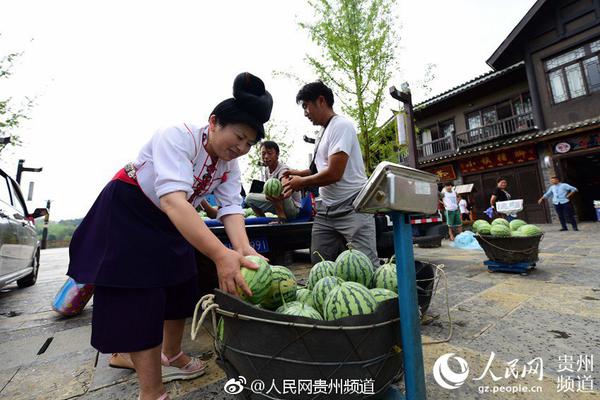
[[523, 183], [583, 172]]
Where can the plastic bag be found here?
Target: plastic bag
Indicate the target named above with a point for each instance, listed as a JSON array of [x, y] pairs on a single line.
[[466, 240], [72, 298]]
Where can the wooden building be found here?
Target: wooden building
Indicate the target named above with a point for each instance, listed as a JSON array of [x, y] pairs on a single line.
[[537, 114]]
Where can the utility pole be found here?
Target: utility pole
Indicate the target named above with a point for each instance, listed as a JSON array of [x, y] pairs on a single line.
[[404, 96]]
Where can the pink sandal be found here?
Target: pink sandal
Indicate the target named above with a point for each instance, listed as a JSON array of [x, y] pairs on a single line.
[[191, 370], [165, 396]]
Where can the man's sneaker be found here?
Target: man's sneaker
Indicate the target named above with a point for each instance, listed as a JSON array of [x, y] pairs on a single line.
[[191, 370]]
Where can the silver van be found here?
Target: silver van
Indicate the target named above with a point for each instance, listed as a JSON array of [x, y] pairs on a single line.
[[19, 245]]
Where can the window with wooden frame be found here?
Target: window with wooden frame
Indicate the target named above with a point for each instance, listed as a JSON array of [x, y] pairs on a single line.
[[489, 115], [437, 131], [575, 73]]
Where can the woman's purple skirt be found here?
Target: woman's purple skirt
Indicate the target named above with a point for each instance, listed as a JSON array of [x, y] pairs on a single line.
[[126, 241]]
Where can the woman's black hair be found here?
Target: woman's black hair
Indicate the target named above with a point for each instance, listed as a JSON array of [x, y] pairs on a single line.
[[312, 91], [501, 179], [251, 104], [269, 144]]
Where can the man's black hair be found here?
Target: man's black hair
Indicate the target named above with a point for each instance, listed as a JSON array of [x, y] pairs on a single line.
[[269, 144], [312, 91], [501, 179]]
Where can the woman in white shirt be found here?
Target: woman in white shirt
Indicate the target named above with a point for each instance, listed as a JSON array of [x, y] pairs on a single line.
[[136, 244]]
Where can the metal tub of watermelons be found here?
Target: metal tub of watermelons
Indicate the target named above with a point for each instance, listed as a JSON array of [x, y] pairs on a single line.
[[351, 336], [274, 348], [512, 246]]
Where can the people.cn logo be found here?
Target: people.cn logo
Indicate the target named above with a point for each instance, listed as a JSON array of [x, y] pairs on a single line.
[[446, 377]]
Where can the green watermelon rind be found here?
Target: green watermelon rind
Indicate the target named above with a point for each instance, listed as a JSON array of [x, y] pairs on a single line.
[[283, 284], [354, 265], [501, 221], [319, 271], [515, 224], [322, 289], [530, 230], [386, 277], [273, 187], [382, 294], [348, 299], [500, 230], [259, 281]]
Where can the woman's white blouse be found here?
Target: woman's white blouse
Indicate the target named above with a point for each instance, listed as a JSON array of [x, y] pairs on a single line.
[[175, 159]]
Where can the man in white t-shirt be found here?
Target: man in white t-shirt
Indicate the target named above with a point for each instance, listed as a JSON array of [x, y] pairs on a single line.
[[339, 172], [285, 208], [449, 199]]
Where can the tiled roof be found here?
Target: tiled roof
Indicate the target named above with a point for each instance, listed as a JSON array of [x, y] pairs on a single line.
[[488, 76], [517, 139]]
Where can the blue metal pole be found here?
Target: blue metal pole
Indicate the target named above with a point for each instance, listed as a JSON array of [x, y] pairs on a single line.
[[410, 328]]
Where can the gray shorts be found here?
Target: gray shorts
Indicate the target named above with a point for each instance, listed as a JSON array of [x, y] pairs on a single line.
[[259, 201], [336, 226]]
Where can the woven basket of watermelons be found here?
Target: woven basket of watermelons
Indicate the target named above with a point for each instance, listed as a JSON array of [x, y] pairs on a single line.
[[510, 249], [274, 348]]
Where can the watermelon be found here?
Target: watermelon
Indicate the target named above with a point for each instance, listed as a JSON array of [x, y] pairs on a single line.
[[501, 221], [259, 280], [353, 265], [320, 270], [273, 187], [515, 224], [484, 229], [477, 223], [349, 298], [248, 212], [304, 295], [302, 310], [530, 230], [294, 303], [283, 288], [386, 277], [381, 294], [322, 289], [500, 230]]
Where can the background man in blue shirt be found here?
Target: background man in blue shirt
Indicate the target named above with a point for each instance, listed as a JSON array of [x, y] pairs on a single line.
[[560, 193]]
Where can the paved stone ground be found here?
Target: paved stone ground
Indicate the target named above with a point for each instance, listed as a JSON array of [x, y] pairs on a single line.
[[553, 313]]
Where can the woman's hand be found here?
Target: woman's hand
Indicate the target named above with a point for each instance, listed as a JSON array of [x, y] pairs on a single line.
[[250, 251], [228, 265]]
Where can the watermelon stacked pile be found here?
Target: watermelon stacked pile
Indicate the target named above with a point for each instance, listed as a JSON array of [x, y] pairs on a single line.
[[335, 289], [502, 228]]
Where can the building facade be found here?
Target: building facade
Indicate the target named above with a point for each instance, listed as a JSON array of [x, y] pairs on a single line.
[[537, 114]]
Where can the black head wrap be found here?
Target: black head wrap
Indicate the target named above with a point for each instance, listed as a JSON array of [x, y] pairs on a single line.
[[251, 104]]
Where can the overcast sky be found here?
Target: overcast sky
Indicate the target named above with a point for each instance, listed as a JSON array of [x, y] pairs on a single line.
[[107, 74]]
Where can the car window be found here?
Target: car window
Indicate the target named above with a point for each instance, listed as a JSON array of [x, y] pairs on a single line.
[[16, 200], [5, 191]]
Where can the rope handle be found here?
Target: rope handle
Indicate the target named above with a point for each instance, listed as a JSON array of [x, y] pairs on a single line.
[[526, 251], [209, 306]]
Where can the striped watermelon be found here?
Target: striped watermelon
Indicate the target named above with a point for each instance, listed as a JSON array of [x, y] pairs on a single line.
[[477, 223], [501, 221], [302, 310], [283, 287], [286, 305], [484, 229], [382, 295], [516, 224], [273, 187], [349, 298], [259, 280], [304, 295], [386, 278], [500, 230], [322, 289], [353, 265], [319, 270], [530, 230]]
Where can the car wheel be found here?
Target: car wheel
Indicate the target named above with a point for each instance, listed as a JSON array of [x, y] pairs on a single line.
[[30, 279]]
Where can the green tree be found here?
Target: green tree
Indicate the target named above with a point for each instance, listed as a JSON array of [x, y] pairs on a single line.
[[11, 114], [279, 134], [357, 42]]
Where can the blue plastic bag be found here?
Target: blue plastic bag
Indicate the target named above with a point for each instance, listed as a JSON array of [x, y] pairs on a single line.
[[466, 240]]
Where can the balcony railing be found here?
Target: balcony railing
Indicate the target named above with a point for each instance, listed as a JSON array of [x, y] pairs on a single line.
[[450, 144], [503, 127]]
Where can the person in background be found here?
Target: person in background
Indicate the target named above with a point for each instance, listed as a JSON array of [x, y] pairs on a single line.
[[561, 194], [464, 209], [285, 207], [339, 172], [449, 200], [500, 194]]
